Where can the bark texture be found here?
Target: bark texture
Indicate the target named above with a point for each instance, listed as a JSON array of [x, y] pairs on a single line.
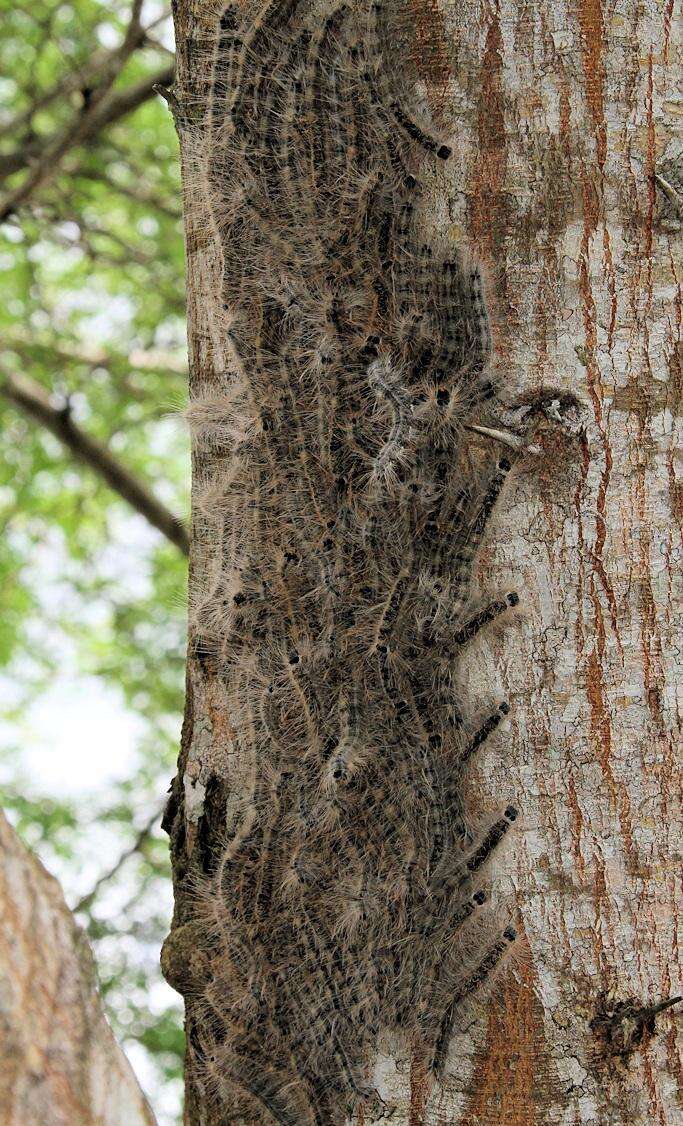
[[564, 184], [59, 1062]]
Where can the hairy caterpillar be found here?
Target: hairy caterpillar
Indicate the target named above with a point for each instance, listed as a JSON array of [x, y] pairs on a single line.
[[346, 511]]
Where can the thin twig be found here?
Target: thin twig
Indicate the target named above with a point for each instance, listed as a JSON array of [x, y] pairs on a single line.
[[506, 437], [670, 192], [134, 192], [144, 833], [655, 1010]]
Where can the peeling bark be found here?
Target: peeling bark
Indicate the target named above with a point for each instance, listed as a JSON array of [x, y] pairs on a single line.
[[562, 115], [59, 1062]]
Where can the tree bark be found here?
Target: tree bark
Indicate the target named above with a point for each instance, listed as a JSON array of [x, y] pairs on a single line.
[[563, 119], [59, 1061]]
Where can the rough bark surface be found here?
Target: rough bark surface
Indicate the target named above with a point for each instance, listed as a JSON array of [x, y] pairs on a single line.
[[59, 1062], [564, 119]]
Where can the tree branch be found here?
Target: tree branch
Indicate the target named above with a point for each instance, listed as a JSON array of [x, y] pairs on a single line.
[[68, 84], [98, 64], [80, 131], [32, 399]]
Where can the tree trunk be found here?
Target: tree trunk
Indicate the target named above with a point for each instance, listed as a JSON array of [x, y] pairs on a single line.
[[564, 183], [59, 1062]]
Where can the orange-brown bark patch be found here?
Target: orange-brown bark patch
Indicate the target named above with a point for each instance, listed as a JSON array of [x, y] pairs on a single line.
[[429, 52], [419, 1088], [512, 1077], [589, 13]]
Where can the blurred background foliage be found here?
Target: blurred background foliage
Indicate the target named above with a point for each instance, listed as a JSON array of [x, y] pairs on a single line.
[[92, 620]]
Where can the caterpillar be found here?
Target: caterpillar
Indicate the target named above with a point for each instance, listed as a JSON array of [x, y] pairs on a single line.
[[345, 507]]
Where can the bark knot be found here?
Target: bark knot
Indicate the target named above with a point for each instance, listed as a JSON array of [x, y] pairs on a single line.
[[623, 1026]]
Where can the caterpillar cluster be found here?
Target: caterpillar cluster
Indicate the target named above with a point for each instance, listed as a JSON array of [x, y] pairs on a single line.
[[346, 507]]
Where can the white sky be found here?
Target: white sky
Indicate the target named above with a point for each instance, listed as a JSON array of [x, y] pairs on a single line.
[[77, 738]]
